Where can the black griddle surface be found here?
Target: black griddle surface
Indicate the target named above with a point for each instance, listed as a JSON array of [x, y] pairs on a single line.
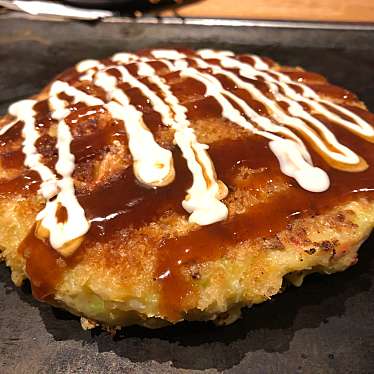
[[326, 326]]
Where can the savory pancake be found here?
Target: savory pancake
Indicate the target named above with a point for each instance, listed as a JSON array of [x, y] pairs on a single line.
[[166, 185]]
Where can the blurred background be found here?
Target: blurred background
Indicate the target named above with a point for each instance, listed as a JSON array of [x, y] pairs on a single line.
[[303, 10], [327, 10]]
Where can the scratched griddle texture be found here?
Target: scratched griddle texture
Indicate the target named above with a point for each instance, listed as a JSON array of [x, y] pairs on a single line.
[[326, 326]]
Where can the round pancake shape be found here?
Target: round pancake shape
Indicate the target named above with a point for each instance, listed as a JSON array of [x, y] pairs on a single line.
[[167, 185]]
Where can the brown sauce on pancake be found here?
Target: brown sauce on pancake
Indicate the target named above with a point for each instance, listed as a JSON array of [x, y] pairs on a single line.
[[123, 202], [263, 220], [22, 184], [45, 267]]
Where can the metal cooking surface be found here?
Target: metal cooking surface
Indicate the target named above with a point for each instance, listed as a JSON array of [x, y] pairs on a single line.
[[326, 326]]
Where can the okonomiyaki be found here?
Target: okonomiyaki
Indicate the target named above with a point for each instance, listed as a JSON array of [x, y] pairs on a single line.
[[167, 185]]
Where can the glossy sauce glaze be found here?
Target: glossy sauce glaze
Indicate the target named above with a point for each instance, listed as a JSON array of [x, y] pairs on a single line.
[[210, 243], [122, 202]]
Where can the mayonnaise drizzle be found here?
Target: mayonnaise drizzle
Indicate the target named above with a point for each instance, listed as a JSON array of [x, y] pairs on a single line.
[[62, 234], [309, 96], [345, 155], [23, 111], [295, 166], [153, 165], [203, 199], [338, 152]]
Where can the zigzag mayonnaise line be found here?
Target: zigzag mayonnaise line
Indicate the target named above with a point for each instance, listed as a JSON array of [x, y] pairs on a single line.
[[344, 159], [309, 96], [345, 155], [66, 236]]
